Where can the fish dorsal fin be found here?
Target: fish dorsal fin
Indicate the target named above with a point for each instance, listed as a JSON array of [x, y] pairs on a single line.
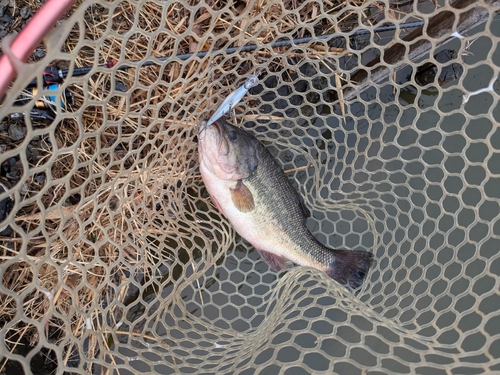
[[242, 197]]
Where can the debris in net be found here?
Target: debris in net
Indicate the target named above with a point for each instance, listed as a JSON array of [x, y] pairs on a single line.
[[13, 17], [23, 191], [39, 53], [5, 18], [40, 179], [12, 169], [26, 12], [48, 293], [32, 153], [486, 89], [74, 198], [120, 86], [17, 131], [457, 35], [88, 323]]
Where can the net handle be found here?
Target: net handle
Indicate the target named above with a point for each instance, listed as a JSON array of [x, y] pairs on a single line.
[[18, 49]]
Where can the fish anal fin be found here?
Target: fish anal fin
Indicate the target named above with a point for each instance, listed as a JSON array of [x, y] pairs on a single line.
[[242, 197], [277, 263]]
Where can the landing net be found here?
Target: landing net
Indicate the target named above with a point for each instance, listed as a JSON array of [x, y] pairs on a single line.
[[115, 261]]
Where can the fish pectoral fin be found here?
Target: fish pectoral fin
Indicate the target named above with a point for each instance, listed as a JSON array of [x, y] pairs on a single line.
[[242, 197], [277, 263]]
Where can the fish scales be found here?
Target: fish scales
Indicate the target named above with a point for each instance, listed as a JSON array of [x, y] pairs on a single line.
[[249, 187], [282, 205]]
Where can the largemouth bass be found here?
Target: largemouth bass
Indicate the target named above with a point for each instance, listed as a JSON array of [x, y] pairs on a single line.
[[248, 186]]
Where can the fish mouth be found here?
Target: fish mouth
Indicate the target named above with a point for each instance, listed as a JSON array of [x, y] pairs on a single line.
[[217, 126], [204, 126], [222, 145], [218, 135], [204, 129]]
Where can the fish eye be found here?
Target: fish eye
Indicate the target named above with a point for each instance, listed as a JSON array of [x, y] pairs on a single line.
[[252, 168], [232, 135]]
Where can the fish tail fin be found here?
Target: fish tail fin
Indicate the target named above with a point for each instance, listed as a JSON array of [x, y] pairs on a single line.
[[350, 267]]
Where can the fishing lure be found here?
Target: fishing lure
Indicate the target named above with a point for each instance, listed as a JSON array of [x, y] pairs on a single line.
[[233, 99]]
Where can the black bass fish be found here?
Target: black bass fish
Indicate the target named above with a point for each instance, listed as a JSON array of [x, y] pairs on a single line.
[[251, 190]]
